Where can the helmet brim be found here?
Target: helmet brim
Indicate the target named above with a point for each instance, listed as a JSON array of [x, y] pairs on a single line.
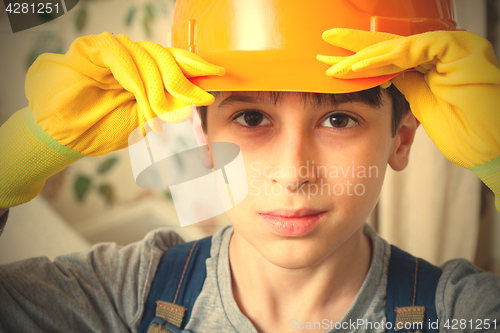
[[245, 72]]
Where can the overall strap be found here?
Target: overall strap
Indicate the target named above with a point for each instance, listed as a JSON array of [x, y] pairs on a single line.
[[177, 283], [411, 291]]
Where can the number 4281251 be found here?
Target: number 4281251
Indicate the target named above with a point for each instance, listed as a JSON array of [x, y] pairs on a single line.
[[38, 8], [478, 324]]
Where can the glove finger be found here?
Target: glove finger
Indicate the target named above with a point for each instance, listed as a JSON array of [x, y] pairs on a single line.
[[394, 56], [193, 65], [147, 83], [342, 70], [376, 66], [172, 81], [350, 69], [330, 60], [374, 60], [181, 91], [355, 40]]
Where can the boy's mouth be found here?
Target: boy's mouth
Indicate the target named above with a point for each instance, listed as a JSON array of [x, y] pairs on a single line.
[[293, 223]]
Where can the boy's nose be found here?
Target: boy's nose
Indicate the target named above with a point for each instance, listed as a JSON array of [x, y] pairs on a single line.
[[293, 161]]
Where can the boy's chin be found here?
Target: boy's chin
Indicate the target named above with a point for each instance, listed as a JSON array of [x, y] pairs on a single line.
[[308, 252]]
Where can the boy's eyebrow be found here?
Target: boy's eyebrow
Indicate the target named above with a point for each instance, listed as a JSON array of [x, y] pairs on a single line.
[[236, 98], [337, 100]]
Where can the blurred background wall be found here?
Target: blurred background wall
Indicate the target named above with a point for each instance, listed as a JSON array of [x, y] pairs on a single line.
[[434, 209]]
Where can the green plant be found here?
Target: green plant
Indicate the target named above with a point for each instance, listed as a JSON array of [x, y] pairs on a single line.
[[83, 183], [146, 12]]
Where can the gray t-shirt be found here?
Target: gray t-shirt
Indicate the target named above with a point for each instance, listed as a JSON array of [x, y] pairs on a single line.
[[105, 289]]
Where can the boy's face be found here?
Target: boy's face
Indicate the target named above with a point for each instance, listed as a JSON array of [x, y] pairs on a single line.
[[303, 158]]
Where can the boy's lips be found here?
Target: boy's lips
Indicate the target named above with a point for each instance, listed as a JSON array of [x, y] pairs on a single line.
[[293, 222]]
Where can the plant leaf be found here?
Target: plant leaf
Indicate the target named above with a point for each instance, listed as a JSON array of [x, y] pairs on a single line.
[[31, 59], [182, 142], [147, 26], [46, 16], [180, 165], [107, 165], [168, 195], [81, 19], [82, 187], [107, 192], [130, 15], [150, 11]]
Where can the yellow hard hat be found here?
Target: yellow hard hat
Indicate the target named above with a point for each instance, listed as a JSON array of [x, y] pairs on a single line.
[[271, 45]]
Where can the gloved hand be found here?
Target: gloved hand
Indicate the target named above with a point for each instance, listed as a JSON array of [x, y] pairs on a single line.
[[88, 101], [454, 92]]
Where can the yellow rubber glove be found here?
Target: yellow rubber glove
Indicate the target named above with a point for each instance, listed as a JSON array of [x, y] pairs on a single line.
[[93, 97], [455, 92], [88, 101]]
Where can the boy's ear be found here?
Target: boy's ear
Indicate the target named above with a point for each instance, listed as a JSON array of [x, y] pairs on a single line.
[[400, 153]]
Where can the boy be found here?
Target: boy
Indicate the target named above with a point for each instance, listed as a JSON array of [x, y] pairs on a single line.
[[298, 251]]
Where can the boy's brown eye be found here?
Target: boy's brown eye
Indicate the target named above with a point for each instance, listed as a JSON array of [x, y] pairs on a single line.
[[252, 119], [340, 120]]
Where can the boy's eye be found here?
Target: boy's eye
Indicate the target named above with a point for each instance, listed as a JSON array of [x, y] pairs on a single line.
[[252, 119], [340, 120]]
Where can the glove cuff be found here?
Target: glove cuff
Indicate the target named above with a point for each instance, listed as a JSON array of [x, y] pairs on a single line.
[[489, 173], [29, 157]]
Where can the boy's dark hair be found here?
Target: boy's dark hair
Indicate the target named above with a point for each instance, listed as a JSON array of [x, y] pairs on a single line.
[[373, 97]]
